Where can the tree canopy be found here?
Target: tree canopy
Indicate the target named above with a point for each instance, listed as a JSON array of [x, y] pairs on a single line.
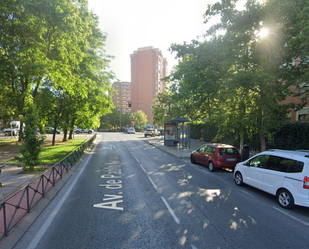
[[54, 52], [238, 76]]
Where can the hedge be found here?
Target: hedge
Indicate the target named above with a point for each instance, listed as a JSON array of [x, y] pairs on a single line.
[[289, 136]]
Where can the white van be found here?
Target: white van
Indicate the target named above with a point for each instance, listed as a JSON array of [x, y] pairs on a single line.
[[283, 173], [15, 125]]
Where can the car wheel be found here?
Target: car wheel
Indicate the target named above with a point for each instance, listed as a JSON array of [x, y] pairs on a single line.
[[285, 198], [238, 179], [211, 166], [77, 132], [89, 132], [193, 160], [145, 135]]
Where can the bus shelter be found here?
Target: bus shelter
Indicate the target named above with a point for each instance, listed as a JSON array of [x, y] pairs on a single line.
[[177, 133]]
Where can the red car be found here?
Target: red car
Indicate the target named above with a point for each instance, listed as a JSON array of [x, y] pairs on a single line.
[[216, 156]]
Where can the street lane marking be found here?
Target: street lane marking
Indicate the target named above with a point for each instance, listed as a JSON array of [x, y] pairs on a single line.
[[247, 193], [142, 168], [224, 181], [170, 210], [294, 218], [163, 199], [154, 185]]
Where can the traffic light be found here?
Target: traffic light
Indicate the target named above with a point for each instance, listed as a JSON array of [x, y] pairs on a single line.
[[129, 104]]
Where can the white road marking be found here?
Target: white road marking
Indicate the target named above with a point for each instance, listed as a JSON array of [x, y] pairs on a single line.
[[154, 185], [170, 210], [224, 181], [247, 193], [142, 168], [291, 216]]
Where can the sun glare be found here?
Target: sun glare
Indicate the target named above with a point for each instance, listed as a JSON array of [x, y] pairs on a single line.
[[263, 33]]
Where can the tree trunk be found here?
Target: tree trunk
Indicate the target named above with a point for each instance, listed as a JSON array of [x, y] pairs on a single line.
[[54, 137], [65, 133], [263, 142], [241, 144]]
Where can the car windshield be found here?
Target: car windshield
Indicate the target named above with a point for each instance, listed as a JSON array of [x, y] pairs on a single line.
[[228, 151]]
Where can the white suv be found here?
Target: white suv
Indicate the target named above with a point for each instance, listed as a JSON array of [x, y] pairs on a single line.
[[283, 173], [151, 132]]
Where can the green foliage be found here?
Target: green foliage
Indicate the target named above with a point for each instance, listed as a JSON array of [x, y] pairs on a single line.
[[32, 141], [54, 51], [238, 81], [162, 109], [291, 136], [139, 118], [54, 154], [112, 120]]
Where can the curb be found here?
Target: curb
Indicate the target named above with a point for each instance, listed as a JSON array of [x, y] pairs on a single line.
[[169, 150]]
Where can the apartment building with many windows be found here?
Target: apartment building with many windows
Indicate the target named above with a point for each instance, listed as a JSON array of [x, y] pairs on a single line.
[[148, 68], [122, 96]]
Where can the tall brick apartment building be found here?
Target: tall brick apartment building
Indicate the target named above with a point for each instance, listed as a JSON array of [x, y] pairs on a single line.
[[123, 95], [148, 68]]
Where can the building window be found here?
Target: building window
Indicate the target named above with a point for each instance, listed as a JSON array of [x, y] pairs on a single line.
[[303, 117]]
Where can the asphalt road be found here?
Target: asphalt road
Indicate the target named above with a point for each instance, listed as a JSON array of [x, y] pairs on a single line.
[[129, 194]]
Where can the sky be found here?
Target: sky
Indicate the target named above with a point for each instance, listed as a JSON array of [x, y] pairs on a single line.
[[133, 24]]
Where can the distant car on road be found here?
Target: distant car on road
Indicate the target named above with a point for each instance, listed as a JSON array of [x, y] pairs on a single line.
[[83, 130], [216, 155], [131, 131], [50, 130]]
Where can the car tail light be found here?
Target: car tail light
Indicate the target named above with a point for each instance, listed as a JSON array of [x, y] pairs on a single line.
[[306, 182]]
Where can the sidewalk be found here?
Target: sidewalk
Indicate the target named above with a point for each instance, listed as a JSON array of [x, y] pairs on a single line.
[[175, 151], [11, 177]]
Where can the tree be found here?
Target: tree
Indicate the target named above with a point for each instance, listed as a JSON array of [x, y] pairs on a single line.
[[197, 77], [162, 110], [111, 120], [39, 40], [32, 141], [252, 86], [56, 45], [139, 118]]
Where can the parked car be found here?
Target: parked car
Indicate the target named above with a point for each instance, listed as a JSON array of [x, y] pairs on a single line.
[[15, 125], [50, 130], [216, 155], [161, 131], [83, 130], [149, 132], [157, 132], [282, 173], [8, 131], [131, 131]]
